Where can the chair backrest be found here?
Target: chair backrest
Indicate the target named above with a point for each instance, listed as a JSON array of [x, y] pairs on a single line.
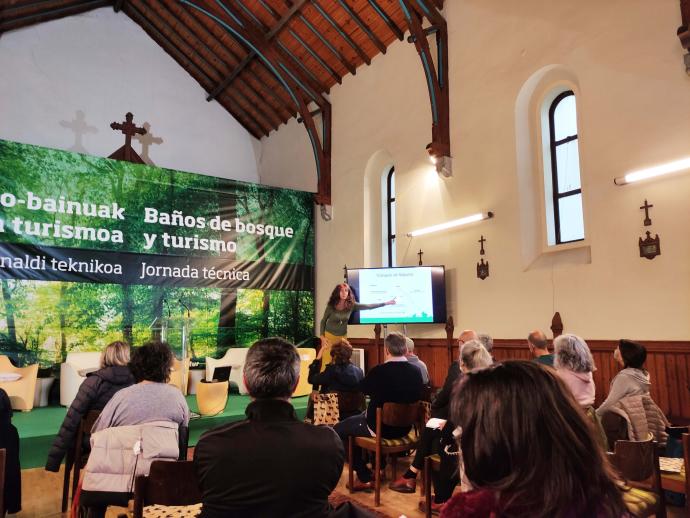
[[402, 414], [349, 402], [686, 462], [88, 421], [6, 364], [168, 483], [638, 461], [83, 360]]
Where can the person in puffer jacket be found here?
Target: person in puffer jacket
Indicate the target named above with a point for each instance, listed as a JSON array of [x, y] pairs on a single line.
[[94, 393], [633, 380]]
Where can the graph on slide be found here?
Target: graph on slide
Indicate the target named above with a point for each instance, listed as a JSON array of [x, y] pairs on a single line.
[[411, 289]]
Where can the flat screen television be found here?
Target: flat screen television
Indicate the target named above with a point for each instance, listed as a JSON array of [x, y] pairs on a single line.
[[419, 293]]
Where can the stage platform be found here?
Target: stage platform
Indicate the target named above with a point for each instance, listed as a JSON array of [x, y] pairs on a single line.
[[38, 428]]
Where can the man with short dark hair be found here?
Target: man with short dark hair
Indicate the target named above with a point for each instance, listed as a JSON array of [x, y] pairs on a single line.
[[394, 381], [539, 347], [270, 464]]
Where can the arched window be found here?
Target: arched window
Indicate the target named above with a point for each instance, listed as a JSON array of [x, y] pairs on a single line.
[[564, 180], [389, 218]]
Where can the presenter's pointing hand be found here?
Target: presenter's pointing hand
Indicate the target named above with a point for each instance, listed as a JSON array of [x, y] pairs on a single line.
[[390, 302]]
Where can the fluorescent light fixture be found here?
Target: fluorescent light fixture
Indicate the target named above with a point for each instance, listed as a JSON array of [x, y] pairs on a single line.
[[653, 172], [451, 224]]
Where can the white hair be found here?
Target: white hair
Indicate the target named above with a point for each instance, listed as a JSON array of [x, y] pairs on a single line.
[[474, 355], [572, 352], [410, 344]]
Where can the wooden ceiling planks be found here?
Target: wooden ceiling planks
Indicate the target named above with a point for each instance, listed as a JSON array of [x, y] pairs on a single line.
[[321, 42]]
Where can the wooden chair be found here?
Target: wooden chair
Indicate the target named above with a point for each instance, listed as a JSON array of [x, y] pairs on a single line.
[[350, 403], [168, 483], [431, 463], [392, 414], [638, 463], [73, 461]]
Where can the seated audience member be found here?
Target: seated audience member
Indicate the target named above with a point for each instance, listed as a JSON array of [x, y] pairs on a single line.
[[340, 375], [540, 462], [574, 365], [93, 394], [539, 347], [633, 380], [473, 356], [486, 341], [395, 381], [629, 413], [413, 359], [430, 439], [143, 418], [9, 441], [270, 464]]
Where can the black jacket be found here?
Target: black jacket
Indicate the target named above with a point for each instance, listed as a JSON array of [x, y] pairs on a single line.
[[335, 378], [268, 465], [94, 393], [391, 382], [441, 404], [9, 440]]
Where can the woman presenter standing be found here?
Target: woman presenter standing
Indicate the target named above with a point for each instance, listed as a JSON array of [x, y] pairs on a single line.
[[340, 306]]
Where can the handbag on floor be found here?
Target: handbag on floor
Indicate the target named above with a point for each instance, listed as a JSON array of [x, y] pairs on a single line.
[[326, 409]]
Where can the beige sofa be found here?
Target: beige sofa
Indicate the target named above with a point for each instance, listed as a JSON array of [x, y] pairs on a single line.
[[23, 390]]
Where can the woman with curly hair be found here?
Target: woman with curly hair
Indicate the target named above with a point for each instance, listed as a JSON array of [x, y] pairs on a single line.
[[139, 424], [341, 304], [527, 449]]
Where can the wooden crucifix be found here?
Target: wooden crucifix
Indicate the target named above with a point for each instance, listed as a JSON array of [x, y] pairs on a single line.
[[420, 254], [481, 242], [647, 219], [129, 129], [345, 272]]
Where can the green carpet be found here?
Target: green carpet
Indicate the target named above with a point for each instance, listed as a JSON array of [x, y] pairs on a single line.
[[38, 428]]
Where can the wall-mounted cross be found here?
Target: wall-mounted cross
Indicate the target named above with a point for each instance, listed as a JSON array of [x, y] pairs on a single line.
[[481, 242], [646, 207], [129, 129], [420, 254], [345, 272]]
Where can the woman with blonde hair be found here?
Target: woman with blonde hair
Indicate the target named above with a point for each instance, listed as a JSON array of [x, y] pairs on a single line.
[[94, 393]]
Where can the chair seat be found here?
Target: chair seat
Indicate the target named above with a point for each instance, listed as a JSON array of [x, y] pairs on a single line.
[[171, 511], [639, 502], [410, 440]]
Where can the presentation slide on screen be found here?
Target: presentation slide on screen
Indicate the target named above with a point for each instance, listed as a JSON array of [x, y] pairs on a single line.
[[410, 287]]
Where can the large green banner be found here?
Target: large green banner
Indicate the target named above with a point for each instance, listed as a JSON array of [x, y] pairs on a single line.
[[93, 250]]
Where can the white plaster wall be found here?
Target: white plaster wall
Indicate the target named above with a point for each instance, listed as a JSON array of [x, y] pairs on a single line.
[[103, 64], [634, 107]]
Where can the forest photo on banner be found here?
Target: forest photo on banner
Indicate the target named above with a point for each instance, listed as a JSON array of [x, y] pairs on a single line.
[[94, 250]]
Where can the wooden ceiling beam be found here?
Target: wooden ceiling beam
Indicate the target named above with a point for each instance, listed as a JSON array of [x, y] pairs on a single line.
[[365, 57], [338, 78], [284, 105], [435, 71], [387, 19], [342, 59], [244, 118], [12, 17], [269, 118], [269, 36], [292, 81], [362, 25]]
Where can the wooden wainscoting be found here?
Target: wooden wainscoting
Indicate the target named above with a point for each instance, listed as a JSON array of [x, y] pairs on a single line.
[[668, 364]]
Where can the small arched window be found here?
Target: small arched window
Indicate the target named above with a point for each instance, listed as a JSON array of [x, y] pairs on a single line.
[[564, 182], [389, 217]]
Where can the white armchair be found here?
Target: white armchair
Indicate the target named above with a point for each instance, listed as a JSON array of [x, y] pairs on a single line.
[[22, 390], [73, 372], [179, 374], [235, 358]]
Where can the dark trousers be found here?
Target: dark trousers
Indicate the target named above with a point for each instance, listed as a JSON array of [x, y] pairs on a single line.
[[429, 443], [446, 478], [355, 426]]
